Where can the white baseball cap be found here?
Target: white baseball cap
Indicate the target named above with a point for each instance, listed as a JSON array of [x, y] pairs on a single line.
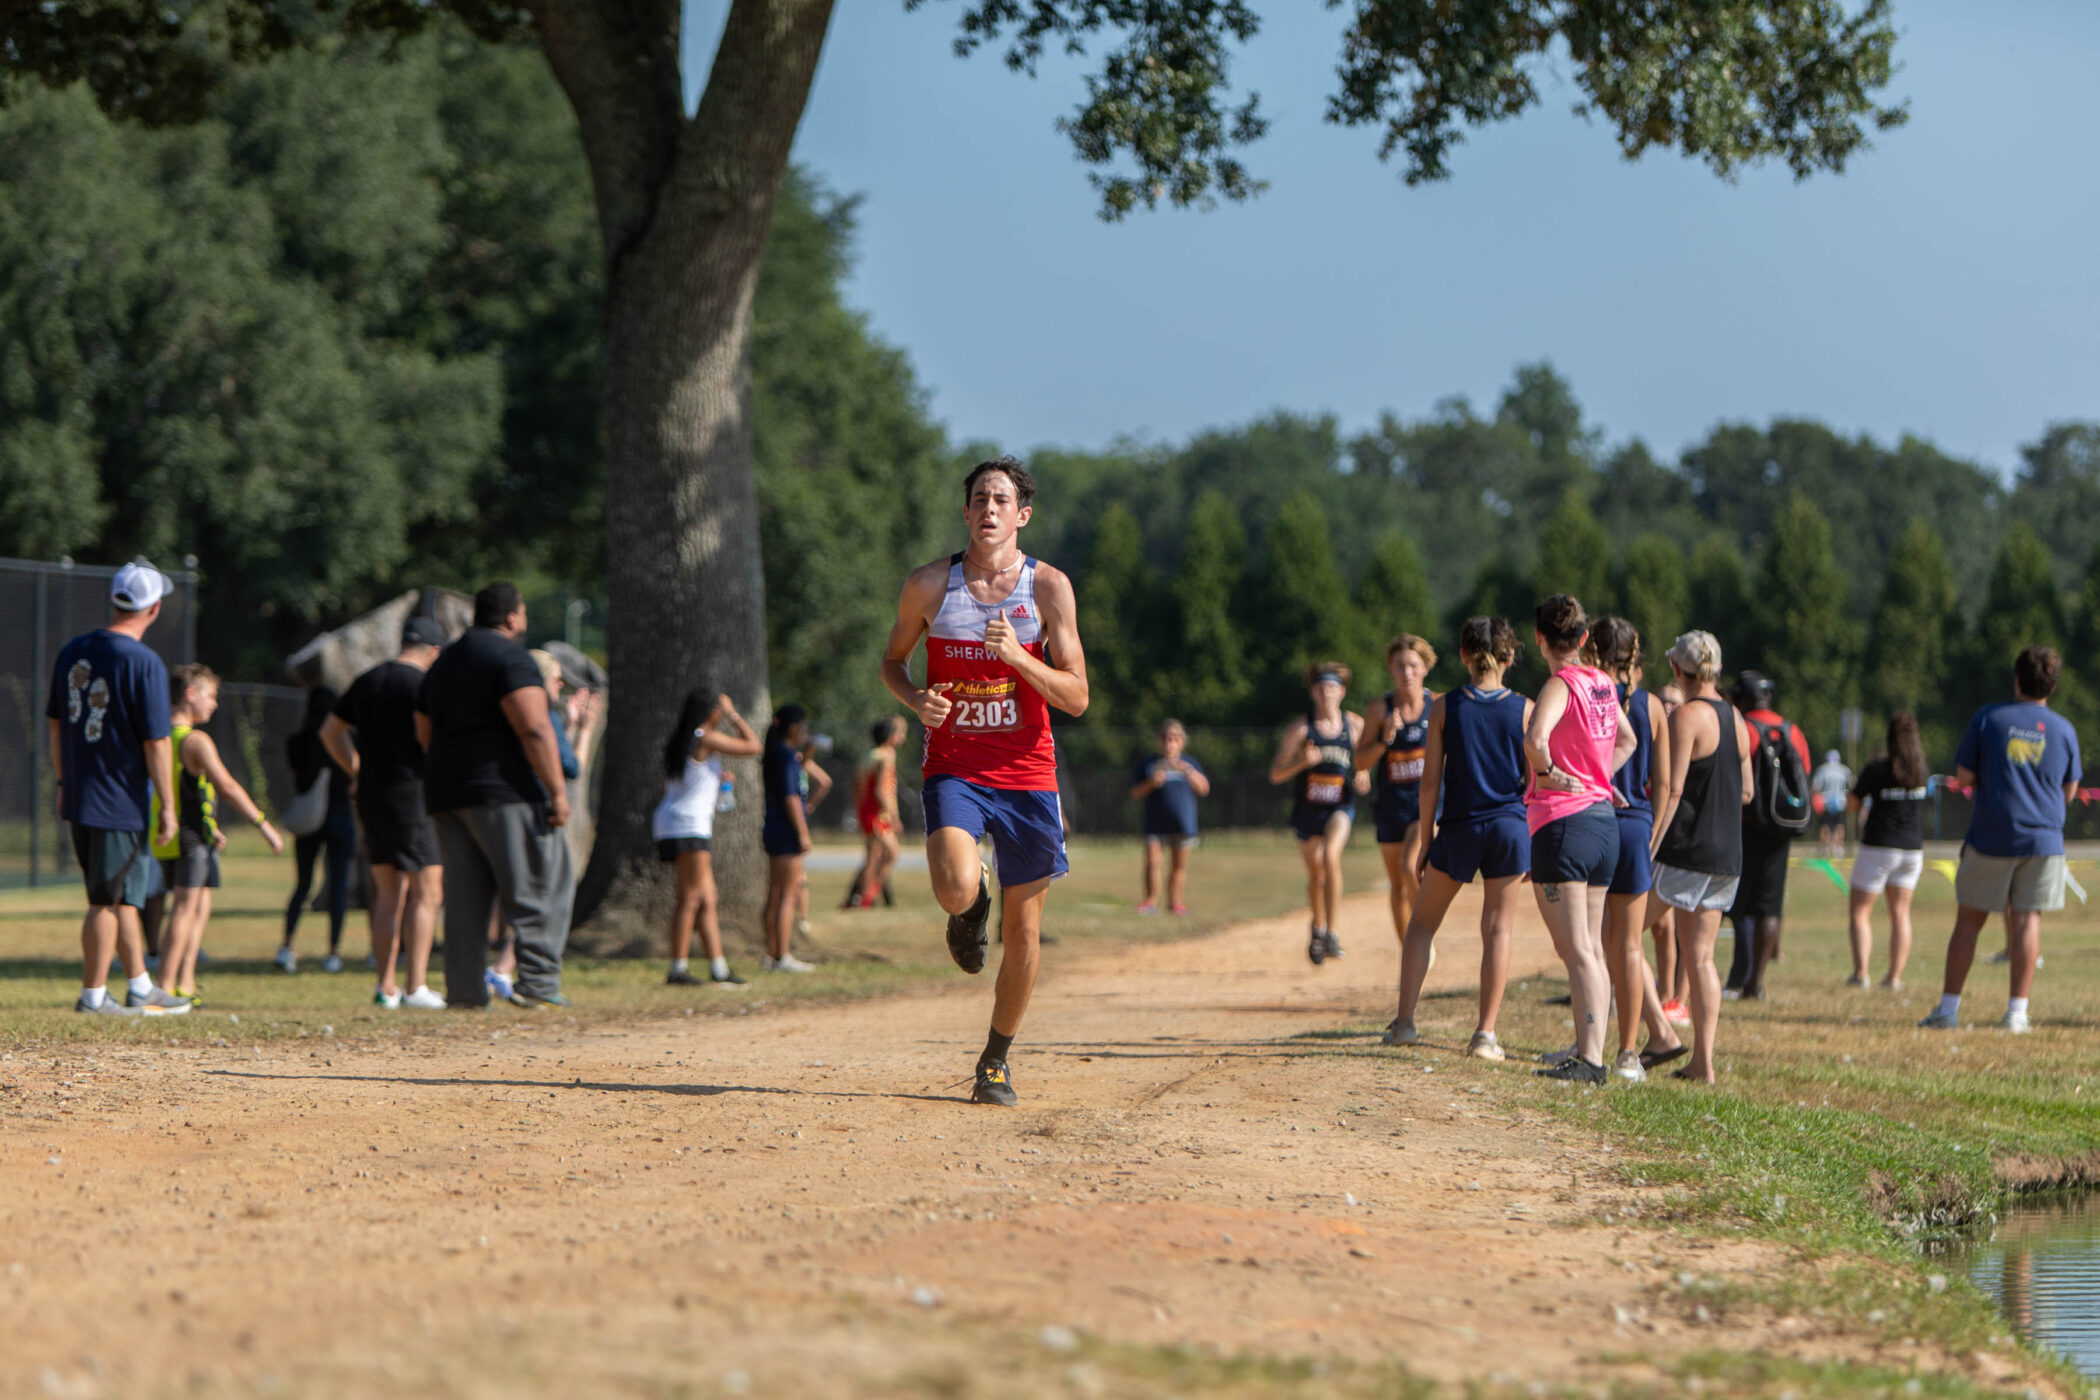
[[139, 586]]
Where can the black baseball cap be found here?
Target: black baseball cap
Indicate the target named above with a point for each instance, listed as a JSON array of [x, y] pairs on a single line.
[[422, 632]]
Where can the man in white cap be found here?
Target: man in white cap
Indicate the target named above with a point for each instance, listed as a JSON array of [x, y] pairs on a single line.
[[1832, 785], [108, 714]]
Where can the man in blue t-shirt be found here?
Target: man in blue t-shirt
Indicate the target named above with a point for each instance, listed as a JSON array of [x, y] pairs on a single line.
[[108, 716], [1169, 785], [2022, 759]]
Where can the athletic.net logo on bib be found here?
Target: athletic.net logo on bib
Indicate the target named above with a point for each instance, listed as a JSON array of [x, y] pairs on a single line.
[[985, 706]]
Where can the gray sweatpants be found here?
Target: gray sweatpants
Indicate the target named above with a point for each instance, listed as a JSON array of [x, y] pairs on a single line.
[[503, 856]]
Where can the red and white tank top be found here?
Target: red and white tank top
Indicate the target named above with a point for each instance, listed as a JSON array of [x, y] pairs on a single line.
[[998, 734]]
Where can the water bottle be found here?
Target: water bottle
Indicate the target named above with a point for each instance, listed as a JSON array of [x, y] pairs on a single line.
[[725, 796]]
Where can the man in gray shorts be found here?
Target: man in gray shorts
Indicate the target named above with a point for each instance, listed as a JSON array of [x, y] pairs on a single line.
[[2022, 759]]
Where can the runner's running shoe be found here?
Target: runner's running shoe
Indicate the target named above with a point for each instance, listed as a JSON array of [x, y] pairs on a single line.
[[679, 977], [1941, 1021], [2015, 1023], [1179, 911], [1484, 1046], [1629, 1068], [1677, 1013], [539, 1001], [331, 963], [110, 1007], [1334, 945], [1576, 1071], [993, 1085], [498, 985], [786, 962], [1316, 946], [423, 999], [1148, 908], [1401, 1032], [966, 936], [727, 979], [286, 960], [386, 1001], [157, 1003]]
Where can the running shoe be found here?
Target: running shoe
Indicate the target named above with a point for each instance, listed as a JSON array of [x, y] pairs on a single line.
[[498, 985], [1334, 944], [801, 928], [1557, 1058], [539, 1001], [1316, 945], [1731, 993], [2000, 958], [1148, 908], [286, 960], [2015, 1023], [1889, 984], [1677, 1013], [1941, 1021], [331, 963], [1484, 1046], [727, 979], [1179, 911], [966, 936], [1576, 1071], [157, 1003], [993, 1085], [110, 1007], [679, 977], [387, 1001], [423, 999], [1401, 1032], [1628, 1067], [1856, 981], [787, 962]]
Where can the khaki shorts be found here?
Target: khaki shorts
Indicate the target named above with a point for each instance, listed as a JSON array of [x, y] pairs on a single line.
[[1996, 883]]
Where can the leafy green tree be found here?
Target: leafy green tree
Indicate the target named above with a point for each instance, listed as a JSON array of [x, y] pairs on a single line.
[[2021, 607], [2057, 494], [1654, 597], [2081, 691], [1393, 597], [1575, 555], [1811, 644], [1115, 609], [1303, 608], [1717, 591], [1915, 637], [1208, 665]]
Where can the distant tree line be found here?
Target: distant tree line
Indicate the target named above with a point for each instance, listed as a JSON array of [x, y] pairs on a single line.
[[343, 337]]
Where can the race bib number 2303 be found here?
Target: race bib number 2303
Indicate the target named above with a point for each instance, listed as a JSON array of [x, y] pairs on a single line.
[[985, 716]]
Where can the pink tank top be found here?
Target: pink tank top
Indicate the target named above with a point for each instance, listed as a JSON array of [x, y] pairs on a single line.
[[1581, 745]]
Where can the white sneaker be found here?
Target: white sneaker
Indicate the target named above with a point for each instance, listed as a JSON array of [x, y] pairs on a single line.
[[386, 1001], [423, 999], [1484, 1046], [286, 960], [1628, 1067], [788, 963], [1557, 1057], [498, 985], [1401, 1033], [1941, 1021], [331, 963], [2015, 1023]]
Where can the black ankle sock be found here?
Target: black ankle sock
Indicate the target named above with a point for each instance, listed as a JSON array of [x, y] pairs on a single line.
[[995, 1048]]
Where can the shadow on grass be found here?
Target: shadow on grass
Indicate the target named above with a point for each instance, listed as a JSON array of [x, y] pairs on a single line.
[[703, 1091]]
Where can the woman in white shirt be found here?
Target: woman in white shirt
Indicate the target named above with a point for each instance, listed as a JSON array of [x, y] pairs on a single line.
[[708, 730]]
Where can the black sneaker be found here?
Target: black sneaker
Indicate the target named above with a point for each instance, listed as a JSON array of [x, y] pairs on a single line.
[[1334, 945], [679, 977], [993, 1085], [966, 937], [1316, 946], [727, 979], [1577, 1070]]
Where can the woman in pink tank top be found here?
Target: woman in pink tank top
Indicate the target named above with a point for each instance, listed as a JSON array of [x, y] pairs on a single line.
[[1578, 737]]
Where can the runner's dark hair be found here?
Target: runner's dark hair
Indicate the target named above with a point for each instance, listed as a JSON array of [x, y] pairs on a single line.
[[1906, 753], [1024, 484], [784, 719], [494, 604], [2036, 671], [1561, 620], [693, 711], [1320, 668], [879, 732], [1617, 644], [1489, 639]]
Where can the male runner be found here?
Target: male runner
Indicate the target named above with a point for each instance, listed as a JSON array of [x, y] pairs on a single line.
[[1002, 646]]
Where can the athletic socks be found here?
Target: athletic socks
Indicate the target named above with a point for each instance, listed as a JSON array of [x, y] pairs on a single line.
[[995, 1048], [141, 984], [2016, 1006], [718, 968], [92, 997], [1950, 1002], [678, 964]]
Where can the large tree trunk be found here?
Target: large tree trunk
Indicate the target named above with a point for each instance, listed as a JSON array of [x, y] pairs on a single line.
[[684, 206]]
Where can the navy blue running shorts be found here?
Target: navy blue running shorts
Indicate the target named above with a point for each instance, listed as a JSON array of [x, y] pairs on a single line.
[[1491, 850], [1634, 874], [1027, 828], [1581, 848], [1396, 811]]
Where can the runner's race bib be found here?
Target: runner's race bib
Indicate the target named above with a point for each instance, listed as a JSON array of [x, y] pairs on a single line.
[[1403, 766], [1324, 789], [984, 707]]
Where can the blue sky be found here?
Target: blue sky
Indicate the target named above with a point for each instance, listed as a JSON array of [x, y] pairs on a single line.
[[1947, 286]]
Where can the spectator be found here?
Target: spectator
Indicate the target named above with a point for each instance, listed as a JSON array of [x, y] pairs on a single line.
[[557, 712], [337, 836], [1761, 894], [108, 720], [1169, 784], [684, 825], [1832, 785], [816, 786], [875, 807], [2023, 760], [1892, 792], [493, 786], [385, 768], [785, 833]]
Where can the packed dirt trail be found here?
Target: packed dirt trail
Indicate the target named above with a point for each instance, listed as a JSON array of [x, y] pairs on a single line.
[[1208, 1152]]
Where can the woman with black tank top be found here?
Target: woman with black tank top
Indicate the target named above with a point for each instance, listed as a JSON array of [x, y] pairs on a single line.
[[1893, 791], [1318, 758], [1699, 830], [1395, 736]]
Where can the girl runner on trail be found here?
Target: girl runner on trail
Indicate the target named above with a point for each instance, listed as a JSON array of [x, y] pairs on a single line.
[[1699, 830], [1618, 648], [1893, 791], [1002, 647], [785, 833], [708, 728], [1169, 784], [1318, 755], [875, 806], [1472, 815], [1577, 739], [1396, 730]]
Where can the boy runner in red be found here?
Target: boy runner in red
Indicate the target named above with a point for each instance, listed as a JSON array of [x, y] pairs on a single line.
[[1002, 646]]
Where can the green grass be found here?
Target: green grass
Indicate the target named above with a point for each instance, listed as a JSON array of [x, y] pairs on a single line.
[[1234, 876]]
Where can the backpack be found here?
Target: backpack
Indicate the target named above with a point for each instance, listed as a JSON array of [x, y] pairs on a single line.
[[307, 812], [1781, 806]]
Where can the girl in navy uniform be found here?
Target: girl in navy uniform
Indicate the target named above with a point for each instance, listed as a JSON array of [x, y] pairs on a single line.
[[1318, 756], [1473, 824], [1396, 731]]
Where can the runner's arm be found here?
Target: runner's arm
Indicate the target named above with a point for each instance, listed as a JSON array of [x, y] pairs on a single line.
[[1432, 781], [201, 755], [819, 780], [742, 743], [526, 709], [58, 763], [1677, 742], [1371, 744], [1152, 782], [797, 818], [1360, 776], [1290, 758], [922, 594], [1742, 747], [160, 763], [1659, 759], [335, 737], [1623, 746], [1538, 733], [1199, 781], [1060, 677]]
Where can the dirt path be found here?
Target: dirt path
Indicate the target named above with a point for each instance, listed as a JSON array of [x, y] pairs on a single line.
[[803, 1201]]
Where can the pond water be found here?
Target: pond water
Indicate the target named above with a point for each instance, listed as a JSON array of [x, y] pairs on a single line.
[[2042, 1267]]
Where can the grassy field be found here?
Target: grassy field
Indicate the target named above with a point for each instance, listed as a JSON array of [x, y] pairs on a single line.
[[1234, 876]]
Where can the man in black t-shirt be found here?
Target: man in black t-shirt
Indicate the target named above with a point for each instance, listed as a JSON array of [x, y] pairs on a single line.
[[385, 766], [493, 785]]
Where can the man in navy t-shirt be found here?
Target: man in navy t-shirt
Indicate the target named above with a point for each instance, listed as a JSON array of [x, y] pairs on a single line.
[[1169, 785], [2022, 758], [108, 717]]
